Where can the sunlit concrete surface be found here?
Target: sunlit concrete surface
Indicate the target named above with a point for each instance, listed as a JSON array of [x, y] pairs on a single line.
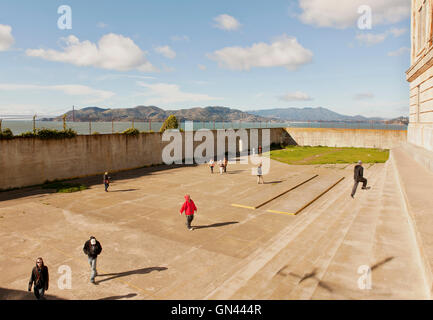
[[233, 253]]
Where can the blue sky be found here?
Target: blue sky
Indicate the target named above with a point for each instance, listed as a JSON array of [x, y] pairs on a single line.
[[173, 54]]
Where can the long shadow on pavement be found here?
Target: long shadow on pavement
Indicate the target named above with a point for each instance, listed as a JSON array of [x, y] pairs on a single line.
[[215, 225], [130, 295], [128, 273], [38, 191], [11, 294]]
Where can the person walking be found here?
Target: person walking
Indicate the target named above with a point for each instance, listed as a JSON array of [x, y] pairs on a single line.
[[92, 248], [189, 208], [211, 165], [225, 164], [106, 181], [221, 166], [260, 174], [40, 278], [358, 177]]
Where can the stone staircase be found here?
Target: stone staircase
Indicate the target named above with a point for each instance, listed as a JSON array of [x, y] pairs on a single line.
[[322, 254]]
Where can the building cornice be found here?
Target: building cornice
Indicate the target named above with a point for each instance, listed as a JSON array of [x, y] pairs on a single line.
[[421, 65]]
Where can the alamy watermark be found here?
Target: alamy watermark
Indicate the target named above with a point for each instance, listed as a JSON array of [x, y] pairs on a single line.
[[364, 281], [365, 21], [65, 280], [239, 142], [65, 20]]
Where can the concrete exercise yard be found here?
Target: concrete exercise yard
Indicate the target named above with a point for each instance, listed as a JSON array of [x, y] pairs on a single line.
[[234, 252]]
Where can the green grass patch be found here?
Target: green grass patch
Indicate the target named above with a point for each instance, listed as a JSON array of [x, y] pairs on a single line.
[[61, 187], [328, 155]]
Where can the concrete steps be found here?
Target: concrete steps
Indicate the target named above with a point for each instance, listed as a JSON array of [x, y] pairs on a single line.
[[309, 237], [333, 238], [420, 155], [380, 237], [416, 183]]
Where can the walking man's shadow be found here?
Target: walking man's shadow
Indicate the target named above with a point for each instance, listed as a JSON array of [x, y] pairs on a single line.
[[215, 225], [128, 273]]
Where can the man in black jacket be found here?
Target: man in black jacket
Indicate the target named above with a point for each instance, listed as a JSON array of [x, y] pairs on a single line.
[[40, 278], [92, 248], [359, 177]]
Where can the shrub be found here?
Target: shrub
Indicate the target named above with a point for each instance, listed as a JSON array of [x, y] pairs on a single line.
[[170, 123], [95, 133], [131, 132], [28, 134], [55, 134], [6, 134]]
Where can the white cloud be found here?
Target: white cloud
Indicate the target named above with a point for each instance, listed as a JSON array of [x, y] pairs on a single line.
[[343, 14], [6, 38], [180, 38], [283, 52], [70, 89], [121, 75], [399, 52], [397, 32], [370, 39], [226, 22], [201, 67], [113, 52], [296, 96], [164, 93], [364, 96], [166, 51], [166, 68]]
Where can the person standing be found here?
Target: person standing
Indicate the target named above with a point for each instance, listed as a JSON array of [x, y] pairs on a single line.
[[106, 181], [225, 164], [189, 208], [358, 177], [40, 278], [260, 174], [92, 248], [211, 165], [221, 166]]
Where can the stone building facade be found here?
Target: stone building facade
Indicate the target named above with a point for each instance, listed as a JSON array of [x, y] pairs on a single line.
[[420, 75]]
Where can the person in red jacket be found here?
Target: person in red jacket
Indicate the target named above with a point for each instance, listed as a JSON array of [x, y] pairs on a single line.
[[189, 208]]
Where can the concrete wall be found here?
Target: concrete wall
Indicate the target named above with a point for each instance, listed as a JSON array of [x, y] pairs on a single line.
[[421, 136], [28, 161], [363, 138]]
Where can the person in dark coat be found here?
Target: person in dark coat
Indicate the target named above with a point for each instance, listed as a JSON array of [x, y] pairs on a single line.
[[40, 279], [359, 177], [106, 181], [92, 248]]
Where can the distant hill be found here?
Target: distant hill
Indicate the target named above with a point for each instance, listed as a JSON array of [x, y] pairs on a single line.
[[308, 114], [145, 113], [399, 120], [157, 114]]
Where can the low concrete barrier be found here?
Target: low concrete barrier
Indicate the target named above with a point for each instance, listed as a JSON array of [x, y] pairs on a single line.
[[362, 138], [30, 161]]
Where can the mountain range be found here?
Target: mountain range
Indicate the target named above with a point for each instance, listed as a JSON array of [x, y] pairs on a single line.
[[153, 113], [219, 114], [309, 114]]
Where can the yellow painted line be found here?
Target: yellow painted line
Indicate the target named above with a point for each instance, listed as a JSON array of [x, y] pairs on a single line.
[[277, 196], [281, 212], [316, 198], [292, 188], [242, 206]]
